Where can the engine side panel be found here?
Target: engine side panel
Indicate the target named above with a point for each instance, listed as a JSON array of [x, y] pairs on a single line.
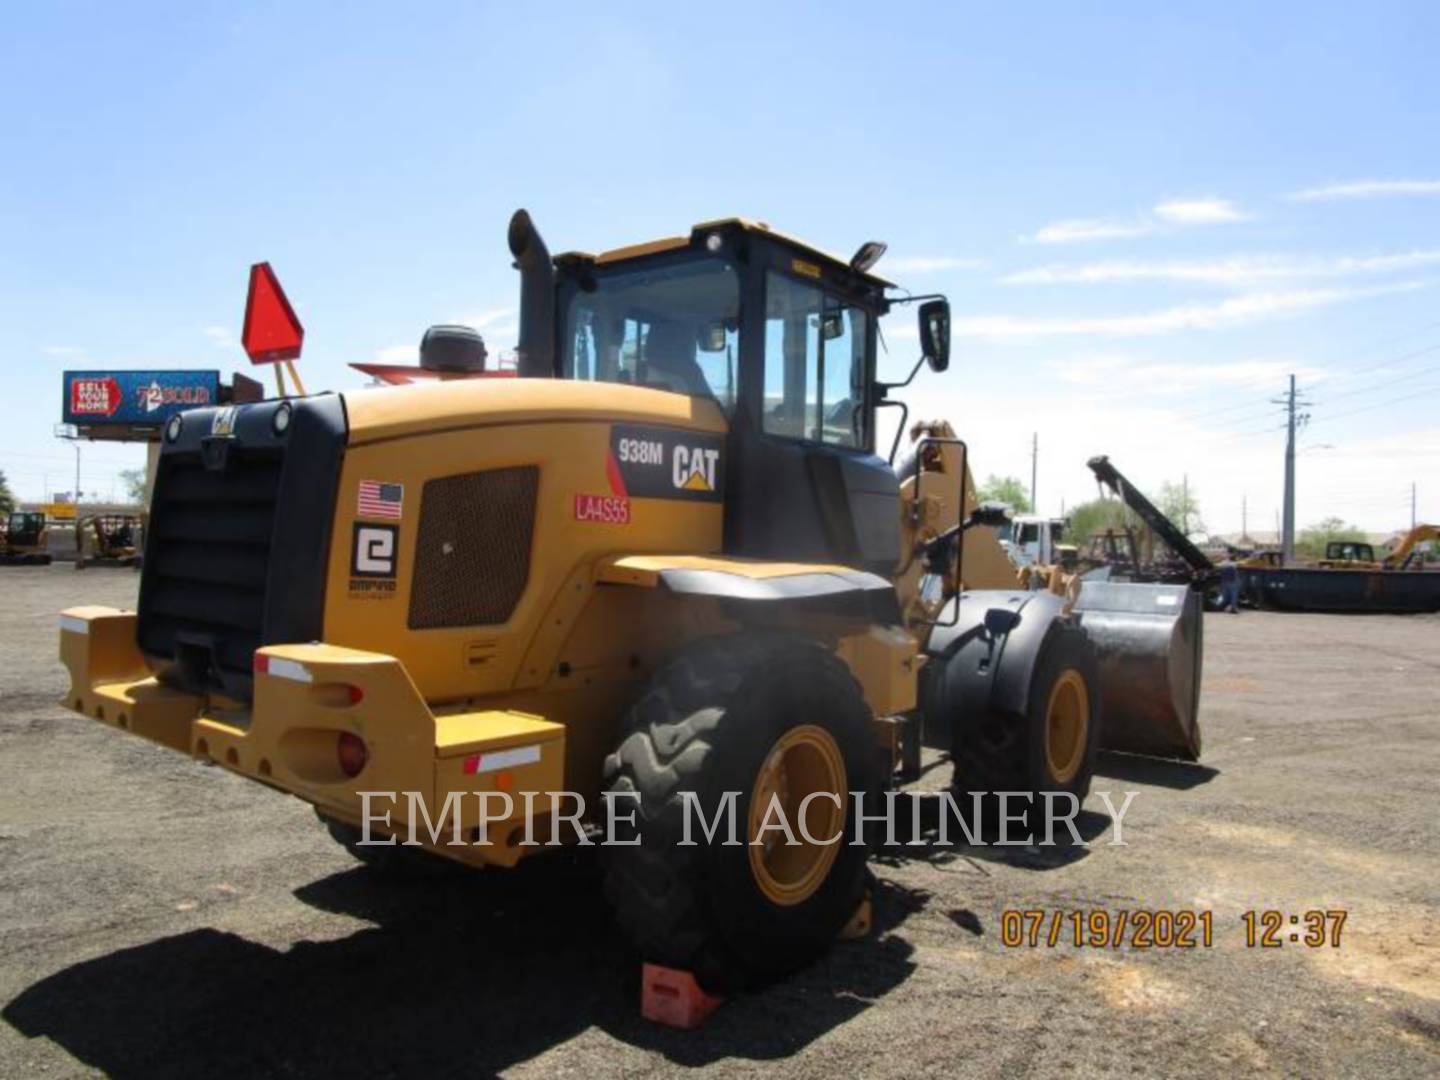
[[593, 489]]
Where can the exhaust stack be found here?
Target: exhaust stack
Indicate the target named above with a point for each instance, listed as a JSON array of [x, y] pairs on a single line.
[[537, 299]]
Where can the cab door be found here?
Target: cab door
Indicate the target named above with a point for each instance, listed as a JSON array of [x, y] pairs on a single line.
[[805, 484]]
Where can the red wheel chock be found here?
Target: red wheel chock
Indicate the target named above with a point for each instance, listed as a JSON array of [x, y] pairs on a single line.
[[674, 997]]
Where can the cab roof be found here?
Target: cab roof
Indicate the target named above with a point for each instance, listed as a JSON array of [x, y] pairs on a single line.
[[760, 228]]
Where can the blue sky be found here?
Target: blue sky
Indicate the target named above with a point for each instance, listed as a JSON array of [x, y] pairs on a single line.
[[1144, 218]]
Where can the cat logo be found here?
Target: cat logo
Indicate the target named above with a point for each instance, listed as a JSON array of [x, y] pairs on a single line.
[[647, 462], [693, 468], [223, 422]]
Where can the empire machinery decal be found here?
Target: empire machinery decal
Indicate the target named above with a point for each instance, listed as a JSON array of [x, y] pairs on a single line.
[[373, 559], [663, 463]]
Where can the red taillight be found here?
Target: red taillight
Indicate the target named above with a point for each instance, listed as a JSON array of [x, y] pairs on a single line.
[[355, 694], [352, 754]]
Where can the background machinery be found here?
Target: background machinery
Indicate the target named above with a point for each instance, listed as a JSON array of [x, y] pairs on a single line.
[[108, 540], [1351, 578], [662, 569], [1032, 539], [26, 540]]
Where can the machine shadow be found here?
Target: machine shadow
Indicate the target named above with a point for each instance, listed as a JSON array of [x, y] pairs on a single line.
[[462, 974], [1176, 775], [927, 842]]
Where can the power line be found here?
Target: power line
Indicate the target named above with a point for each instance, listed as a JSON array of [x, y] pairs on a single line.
[[1356, 373], [1382, 404], [1383, 383], [1343, 377]]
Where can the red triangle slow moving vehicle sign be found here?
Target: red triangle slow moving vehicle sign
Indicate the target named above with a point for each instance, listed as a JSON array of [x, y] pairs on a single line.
[[272, 332]]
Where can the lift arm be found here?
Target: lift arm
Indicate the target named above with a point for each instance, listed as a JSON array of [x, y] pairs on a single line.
[[1149, 513]]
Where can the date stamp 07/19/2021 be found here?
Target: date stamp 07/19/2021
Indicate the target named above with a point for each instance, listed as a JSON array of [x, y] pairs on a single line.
[[1100, 928]]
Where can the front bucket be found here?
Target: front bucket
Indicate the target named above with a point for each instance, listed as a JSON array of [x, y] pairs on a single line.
[[1148, 638]]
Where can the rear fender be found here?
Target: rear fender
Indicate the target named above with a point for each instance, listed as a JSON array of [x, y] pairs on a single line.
[[760, 584]]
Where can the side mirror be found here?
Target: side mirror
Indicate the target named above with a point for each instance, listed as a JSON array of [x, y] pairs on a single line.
[[988, 513], [935, 333], [711, 337]]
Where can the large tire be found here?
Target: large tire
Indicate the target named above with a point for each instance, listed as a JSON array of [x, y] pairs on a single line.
[[717, 719], [1051, 747]]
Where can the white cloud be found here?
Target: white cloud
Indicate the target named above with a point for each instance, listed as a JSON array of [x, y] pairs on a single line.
[[1077, 230], [63, 351], [222, 337], [1143, 377], [1232, 270], [485, 318], [1198, 212], [398, 354], [1366, 189], [1237, 310], [1172, 213], [1230, 460], [928, 264]]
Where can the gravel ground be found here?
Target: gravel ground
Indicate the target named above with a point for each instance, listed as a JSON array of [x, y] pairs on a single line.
[[160, 918]]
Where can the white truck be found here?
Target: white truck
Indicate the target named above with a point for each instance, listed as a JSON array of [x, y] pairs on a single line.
[[1032, 539]]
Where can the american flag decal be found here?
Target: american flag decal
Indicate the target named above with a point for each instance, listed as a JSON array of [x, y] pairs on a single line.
[[379, 500]]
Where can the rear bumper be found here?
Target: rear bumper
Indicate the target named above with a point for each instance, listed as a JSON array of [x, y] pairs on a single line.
[[432, 770]]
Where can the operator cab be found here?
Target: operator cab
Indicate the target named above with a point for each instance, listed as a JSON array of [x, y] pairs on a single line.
[[24, 527], [780, 336], [1349, 551]]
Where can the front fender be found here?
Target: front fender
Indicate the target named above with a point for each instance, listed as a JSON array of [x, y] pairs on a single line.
[[986, 661]]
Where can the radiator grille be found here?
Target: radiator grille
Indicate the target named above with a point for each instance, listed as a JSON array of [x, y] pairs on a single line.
[[472, 558], [207, 555]]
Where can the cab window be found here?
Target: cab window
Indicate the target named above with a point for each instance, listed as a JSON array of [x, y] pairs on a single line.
[[814, 364], [673, 327]]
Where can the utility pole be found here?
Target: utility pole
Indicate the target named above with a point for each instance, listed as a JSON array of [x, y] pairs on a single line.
[[1412, 504], [1287, 529], [1185, 503], [1244, 516], [1034, 465], [67, 431]]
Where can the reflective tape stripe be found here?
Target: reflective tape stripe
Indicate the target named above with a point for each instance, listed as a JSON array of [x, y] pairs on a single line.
[[502, 759], [293, 670]]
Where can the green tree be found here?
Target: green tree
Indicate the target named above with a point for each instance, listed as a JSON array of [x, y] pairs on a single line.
[[1091, 518], [1178, 503], [1006, 489], [133, 481], [7, 499], [1313, 538]]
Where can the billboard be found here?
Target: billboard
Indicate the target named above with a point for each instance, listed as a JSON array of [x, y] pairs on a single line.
[[135, 398]]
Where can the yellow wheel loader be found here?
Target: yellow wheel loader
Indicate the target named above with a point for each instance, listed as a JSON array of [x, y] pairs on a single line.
[[662, 570]]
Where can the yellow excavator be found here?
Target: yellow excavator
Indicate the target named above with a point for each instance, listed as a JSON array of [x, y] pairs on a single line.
[[108, 540], [26, 539], [663, 570], [1404, 555], [1360, 555]]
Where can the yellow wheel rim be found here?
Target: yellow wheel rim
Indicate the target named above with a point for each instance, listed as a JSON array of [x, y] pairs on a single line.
[[1067, 723], [804, 761]]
